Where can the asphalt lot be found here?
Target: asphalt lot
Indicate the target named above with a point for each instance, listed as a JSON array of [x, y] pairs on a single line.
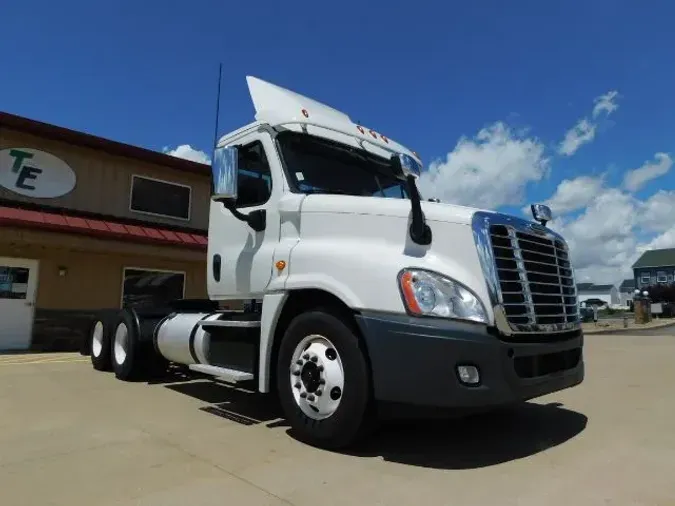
[[71, 436]]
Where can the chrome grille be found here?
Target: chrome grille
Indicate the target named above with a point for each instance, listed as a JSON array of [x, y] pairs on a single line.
[[534, 276]]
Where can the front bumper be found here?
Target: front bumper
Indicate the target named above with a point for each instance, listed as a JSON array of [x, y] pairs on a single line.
[[414, 361]]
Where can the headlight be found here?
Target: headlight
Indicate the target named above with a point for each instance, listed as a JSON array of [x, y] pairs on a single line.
[[429, 294]]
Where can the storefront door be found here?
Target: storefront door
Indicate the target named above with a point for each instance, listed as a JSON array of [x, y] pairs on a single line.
[[18, 283]]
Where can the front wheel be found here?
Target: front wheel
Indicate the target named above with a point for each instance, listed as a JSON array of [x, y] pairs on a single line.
[[324, 381]]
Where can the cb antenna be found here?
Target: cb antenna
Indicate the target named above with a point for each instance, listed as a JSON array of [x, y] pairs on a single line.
[[215, 133]]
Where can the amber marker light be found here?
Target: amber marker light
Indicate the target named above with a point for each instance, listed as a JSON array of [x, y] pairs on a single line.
[[409, 293]]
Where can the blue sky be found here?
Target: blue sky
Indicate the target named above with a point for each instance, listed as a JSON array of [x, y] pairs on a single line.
[[427, 75]]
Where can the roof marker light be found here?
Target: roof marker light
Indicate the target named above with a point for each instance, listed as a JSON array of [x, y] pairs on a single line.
[[384, 139], [361, 129], [372, 132], [305, 113]]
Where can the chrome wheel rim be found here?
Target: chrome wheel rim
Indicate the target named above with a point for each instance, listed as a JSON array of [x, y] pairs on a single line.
[[97, 339], [317, 377], [121, 343]]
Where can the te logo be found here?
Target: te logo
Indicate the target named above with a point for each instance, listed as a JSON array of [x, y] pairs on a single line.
[[24, 172], [34, 173]]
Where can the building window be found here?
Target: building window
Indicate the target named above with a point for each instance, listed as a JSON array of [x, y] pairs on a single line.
[[661, 277], [645, 279], [151, 287], [13, 282], [255, 179], [160, 198]]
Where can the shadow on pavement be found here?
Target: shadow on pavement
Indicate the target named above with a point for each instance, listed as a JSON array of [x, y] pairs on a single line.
[[232, 403], [464, 443], [476, 441]]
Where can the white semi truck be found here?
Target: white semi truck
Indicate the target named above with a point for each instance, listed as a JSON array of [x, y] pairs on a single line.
[[371, 301]]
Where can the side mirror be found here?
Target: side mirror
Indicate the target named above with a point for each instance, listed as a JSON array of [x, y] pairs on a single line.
[[408, 168], [541, 213], [224, 186], [224, 172], [406, 165]]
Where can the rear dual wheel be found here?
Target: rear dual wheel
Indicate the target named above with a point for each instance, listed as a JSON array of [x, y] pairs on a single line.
[[116, 345], [130, 357], [99, 339]]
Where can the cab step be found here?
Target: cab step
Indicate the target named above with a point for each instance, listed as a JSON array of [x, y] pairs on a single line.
[[231, 375]]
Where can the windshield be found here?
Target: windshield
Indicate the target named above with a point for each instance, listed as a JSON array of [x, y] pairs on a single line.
[[317, 165]]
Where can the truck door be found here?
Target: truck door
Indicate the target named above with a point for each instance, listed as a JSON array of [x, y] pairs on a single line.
[[246, 256]]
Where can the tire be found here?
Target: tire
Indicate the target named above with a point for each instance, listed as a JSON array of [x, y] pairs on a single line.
[[340, 422], [85, 342], [127, 353], [99, 343]]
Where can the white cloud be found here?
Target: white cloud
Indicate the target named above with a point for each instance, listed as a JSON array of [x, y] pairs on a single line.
[[610, 215], [189, 153], [584, 130], [606, 103], [637, 178], [488, 171], [607, 228], [581, 133], [574, 194], [601, 239], [664, 240], [604, 239], [657, 212]]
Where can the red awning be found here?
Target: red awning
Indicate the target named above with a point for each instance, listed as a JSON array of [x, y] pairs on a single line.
[[99, 228]]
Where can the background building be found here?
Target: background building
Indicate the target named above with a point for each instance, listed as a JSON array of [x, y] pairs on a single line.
[[608, 294], [656, 266], [627, 292], [87, 223]]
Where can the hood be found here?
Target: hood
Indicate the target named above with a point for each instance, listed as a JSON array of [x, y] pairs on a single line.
[[375, 206]]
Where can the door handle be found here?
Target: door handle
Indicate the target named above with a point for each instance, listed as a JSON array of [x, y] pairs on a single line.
[[29, 304]]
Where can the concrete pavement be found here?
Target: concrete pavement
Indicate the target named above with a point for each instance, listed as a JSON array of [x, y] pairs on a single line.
[[72, 436], [663, 331]]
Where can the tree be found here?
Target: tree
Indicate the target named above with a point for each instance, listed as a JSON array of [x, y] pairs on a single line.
[[662, 293]]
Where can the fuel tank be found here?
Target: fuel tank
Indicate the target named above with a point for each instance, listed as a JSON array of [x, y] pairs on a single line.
[[181, 339]]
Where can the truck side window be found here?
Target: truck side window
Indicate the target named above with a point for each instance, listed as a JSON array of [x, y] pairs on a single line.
[[255, 178]]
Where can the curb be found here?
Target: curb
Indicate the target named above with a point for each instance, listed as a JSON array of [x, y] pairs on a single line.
[[628, 330]]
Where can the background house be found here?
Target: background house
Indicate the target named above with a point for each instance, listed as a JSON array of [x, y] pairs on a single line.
[[626, 291], [656, 266], [608, 294]]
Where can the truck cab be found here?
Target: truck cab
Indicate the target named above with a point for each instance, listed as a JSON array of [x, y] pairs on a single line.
[[372, 300]]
